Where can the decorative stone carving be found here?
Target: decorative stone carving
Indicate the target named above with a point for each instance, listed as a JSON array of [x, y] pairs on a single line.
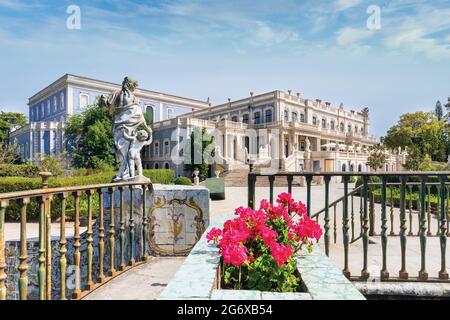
[[196, 177], [128, 141]]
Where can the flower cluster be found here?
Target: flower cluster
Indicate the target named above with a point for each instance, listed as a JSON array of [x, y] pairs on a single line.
[[280, 229]]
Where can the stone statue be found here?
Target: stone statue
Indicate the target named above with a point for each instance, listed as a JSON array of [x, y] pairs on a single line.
[[307, 145], [128, 141], [196, 178]]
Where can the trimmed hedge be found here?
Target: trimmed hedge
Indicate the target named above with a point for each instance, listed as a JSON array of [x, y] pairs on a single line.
[[183, 181], [19, 170], [11, 184]]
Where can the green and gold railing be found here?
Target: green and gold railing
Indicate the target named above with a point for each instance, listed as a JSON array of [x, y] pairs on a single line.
[[108, 236], [376, 201]]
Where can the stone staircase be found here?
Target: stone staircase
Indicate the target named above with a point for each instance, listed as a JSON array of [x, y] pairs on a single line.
[[237, 177]]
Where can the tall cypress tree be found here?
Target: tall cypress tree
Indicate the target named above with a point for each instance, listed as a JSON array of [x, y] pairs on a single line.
[[438, 110]]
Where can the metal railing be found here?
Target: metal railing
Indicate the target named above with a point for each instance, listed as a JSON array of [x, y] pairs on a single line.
[[368, 215], [116, 230]]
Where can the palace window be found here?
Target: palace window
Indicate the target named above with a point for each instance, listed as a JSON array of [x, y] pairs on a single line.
[[324, 124], [156, 149], [169, 113], [268, 115], [349, 128], [332, 124], [62, 101], [314, 120], [245, 118], [47, 110], [84, 100], [302, 117], [41, 114], [55, 103], [286, 115], [149, 114], [257, 117], [166, 148], [156, 165], [356, 129], [294, 116], [166, 165], [342, 127], [234, 119]]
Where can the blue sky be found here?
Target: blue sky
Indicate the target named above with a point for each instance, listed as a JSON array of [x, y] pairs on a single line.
[[228, 48]]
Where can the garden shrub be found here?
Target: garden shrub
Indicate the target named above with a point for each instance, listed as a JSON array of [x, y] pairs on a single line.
[[183, 181], [19, 170], [160, 176]]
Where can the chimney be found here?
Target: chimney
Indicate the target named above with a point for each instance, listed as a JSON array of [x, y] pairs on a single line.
[[289, 91], [318, 101], [328, 104], [298, 94]]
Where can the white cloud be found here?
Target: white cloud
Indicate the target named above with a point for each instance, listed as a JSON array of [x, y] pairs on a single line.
[[352, 36], [346, 4]]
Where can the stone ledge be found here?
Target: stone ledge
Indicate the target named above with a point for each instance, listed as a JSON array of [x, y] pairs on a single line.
[[405, 289]]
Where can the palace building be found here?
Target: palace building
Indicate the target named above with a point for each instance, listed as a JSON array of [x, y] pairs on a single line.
[[276, 129]]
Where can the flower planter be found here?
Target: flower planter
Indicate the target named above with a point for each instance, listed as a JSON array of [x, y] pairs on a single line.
[[197, 278]]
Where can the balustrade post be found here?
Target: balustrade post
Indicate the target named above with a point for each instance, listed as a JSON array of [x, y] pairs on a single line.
[[48, 247], [62, 247], [438, 220], [3, 206], [410, 233], [423, 274], [144, 254], [443, 275], [77, 255], [42, 251], [345, 227], [353, 219], [365, 236], [391, 210], [271, 180], [327, 216], [308, 194], [403, 274], [384, 274], [132, 227], [429, 210], [122, 230], [89, 240], [101, 237], [251, 191], [334, 224], [23, 265], [371, 212], [111, 232]]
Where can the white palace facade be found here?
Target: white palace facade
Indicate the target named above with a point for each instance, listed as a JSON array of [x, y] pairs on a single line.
[[277, 129]]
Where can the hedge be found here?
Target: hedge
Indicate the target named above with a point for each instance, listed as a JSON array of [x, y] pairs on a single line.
[[183, 181], [19, 170], [11, 184]]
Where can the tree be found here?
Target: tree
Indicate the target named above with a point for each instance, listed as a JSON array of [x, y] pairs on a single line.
[[198, 151], [8, 122], [420, 130], [90, 139], [413, 159], [438, 110], [377, 157]]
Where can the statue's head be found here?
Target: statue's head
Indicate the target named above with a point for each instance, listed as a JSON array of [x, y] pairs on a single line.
[[142, 135], [130, 84]]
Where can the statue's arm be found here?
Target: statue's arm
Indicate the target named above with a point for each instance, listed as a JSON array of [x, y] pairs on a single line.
[[127, 136]]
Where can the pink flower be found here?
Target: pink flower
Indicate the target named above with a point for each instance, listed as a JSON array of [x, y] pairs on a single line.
[[213, 235], [280, 253]]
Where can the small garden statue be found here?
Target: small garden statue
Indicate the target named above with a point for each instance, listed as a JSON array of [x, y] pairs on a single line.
[[196, 177]]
